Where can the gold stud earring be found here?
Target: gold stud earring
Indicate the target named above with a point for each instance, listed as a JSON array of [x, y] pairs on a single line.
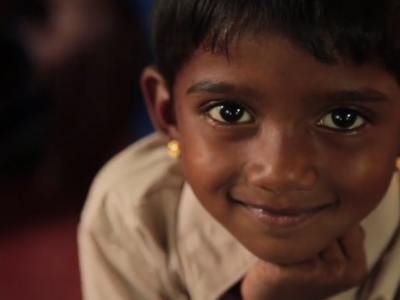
[[174, 149]]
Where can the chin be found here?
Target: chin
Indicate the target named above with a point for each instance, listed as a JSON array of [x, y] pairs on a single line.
[[284, 259], [286, 253]]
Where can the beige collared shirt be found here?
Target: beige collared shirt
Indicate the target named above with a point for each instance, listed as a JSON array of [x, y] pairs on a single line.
[[144, 236]]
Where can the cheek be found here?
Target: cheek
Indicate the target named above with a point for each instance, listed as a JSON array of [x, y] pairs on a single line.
[[209, 169], [362, 180], [208, 160], [209, 163]]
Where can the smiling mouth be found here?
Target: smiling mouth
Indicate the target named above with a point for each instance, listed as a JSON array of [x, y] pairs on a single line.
[[289, 217]]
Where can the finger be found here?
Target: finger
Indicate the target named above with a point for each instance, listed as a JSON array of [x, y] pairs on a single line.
[[309, 269], [333, 253], [353, 247], [352, 244]]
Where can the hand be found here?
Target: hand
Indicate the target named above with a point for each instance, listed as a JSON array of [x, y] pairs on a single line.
[[338, 268]]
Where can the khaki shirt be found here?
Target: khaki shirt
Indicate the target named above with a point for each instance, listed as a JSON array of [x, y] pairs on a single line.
[[144, 235]]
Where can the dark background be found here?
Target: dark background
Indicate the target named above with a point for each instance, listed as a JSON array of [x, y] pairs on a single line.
[[69, 100]]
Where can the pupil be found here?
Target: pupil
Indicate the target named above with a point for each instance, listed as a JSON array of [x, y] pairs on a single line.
[[231, 112], [344, 118]]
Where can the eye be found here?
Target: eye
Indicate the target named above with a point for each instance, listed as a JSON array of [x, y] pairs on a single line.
[[343, 119], [230, 112]]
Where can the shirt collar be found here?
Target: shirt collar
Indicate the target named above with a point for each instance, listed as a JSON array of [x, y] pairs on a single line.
[[213, 260]]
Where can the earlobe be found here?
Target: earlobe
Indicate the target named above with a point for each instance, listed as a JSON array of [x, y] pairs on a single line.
[[159, 102]]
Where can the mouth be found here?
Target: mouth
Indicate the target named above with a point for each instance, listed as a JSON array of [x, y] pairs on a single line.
[[284, 218]]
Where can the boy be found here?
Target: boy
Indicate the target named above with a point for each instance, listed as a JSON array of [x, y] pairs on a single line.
[[282, 122]]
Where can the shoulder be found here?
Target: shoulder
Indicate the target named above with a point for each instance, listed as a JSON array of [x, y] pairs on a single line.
[[135, 193]]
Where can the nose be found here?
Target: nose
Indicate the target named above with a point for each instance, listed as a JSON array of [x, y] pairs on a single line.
[[282, 160]]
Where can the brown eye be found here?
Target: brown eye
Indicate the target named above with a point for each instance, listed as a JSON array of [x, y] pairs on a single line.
[[343, 119], [230, 113]]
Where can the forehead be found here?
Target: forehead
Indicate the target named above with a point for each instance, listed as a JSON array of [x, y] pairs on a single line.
[[272, 63]]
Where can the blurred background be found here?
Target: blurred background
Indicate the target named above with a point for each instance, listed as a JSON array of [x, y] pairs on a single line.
[[69, 100]]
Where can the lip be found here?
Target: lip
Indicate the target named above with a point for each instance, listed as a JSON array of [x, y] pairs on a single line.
[[284, 218]]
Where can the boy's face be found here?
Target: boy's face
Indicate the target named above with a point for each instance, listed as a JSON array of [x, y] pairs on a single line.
[[286, 152]]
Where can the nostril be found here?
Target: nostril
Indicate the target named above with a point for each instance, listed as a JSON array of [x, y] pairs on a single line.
[[278, 181]]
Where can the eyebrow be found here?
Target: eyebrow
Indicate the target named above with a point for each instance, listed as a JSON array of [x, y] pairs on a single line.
[[346, 95], [358, 95], [219, 87]]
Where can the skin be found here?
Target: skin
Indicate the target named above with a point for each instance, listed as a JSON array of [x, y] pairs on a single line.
[[285, 151], [339, 267]]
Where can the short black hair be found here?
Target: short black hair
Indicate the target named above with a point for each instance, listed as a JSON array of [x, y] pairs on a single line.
[[355, 31]]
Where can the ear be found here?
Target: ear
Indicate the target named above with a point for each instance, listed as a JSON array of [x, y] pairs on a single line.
[[159, 102]]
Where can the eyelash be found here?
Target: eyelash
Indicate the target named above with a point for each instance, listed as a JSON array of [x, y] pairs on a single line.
[[205, 111], [363, 113]]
